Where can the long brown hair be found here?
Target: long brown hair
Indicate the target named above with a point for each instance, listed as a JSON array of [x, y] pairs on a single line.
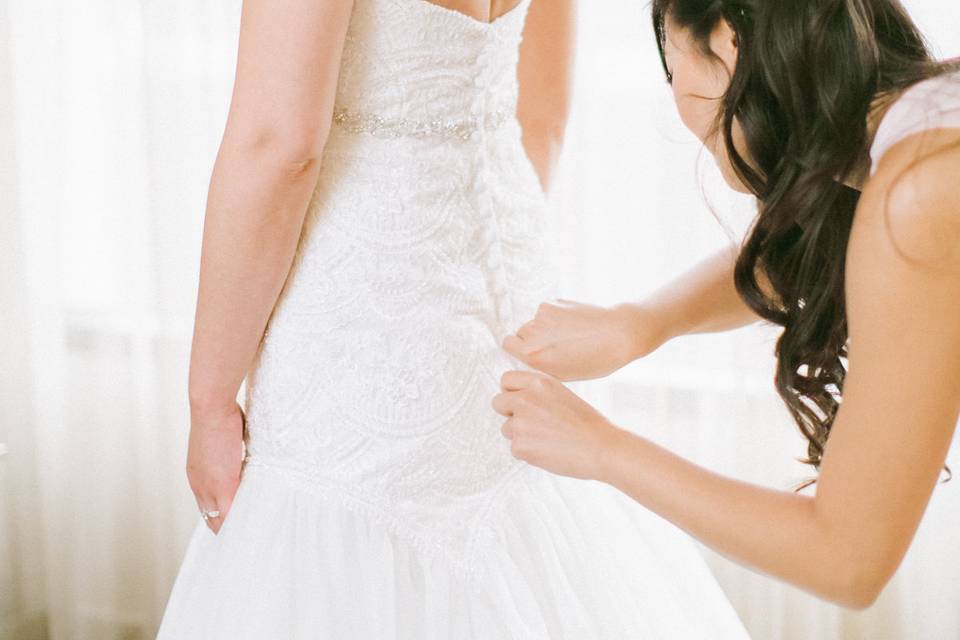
[[806, 76]]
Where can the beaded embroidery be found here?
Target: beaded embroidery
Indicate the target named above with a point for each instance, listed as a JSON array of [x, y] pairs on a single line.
[[377, 125]]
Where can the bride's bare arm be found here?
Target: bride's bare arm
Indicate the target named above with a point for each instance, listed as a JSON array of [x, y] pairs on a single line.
[[265, 170], [545, 73]]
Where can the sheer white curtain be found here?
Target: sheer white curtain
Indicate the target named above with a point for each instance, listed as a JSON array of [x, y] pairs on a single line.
[[111, 115], [116, 109]]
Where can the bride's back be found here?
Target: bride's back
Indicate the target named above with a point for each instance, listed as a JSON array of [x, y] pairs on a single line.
[[480, 10], [415, 68], [424, 245]]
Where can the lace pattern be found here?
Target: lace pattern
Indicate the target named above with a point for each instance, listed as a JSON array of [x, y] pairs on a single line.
[[421, 249]]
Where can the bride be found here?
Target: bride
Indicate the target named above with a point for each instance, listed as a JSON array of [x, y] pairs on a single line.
[[375, 228]]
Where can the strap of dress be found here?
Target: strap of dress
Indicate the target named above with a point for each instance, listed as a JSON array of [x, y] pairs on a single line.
[[931, 104]]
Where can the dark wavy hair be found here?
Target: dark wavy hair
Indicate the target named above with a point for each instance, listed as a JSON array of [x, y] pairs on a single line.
[[807, 74]]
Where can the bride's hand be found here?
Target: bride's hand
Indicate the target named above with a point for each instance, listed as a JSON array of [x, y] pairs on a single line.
[[551, 427], [576, 341], [214, 458]]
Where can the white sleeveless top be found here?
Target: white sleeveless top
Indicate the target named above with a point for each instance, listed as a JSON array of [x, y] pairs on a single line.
[[930, 104]]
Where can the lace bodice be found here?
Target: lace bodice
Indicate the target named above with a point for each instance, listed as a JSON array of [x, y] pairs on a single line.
[[416, 60], [423, 246]]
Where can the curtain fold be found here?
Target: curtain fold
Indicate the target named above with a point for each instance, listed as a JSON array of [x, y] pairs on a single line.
[[111, 112]]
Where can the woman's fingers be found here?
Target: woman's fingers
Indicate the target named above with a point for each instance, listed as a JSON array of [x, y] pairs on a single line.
[[209, 511], [515, 346], [501, 404], [507, 429], [217, 506], [215, 460], [525, 350], [516, 379], [522, 331], [224, 507]]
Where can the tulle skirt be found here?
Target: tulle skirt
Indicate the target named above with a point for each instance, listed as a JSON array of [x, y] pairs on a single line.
[[569, 560]]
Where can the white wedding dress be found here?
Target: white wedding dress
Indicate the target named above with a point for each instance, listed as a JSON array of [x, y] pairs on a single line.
[[378, 499]]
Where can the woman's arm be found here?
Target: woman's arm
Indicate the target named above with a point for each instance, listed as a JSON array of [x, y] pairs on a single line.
[[545, 74], [575, 341], [889, 440], [891, 436], [265, 171], [266, 168], [702, 300]]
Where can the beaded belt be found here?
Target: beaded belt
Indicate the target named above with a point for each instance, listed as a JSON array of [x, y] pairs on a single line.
[[376, 125]]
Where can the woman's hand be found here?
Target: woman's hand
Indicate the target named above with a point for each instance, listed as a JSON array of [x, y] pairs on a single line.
[[214, 458], [574, 341], [551, 427]]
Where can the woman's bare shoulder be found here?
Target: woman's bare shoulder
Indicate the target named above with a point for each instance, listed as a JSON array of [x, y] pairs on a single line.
[[915, 195]]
